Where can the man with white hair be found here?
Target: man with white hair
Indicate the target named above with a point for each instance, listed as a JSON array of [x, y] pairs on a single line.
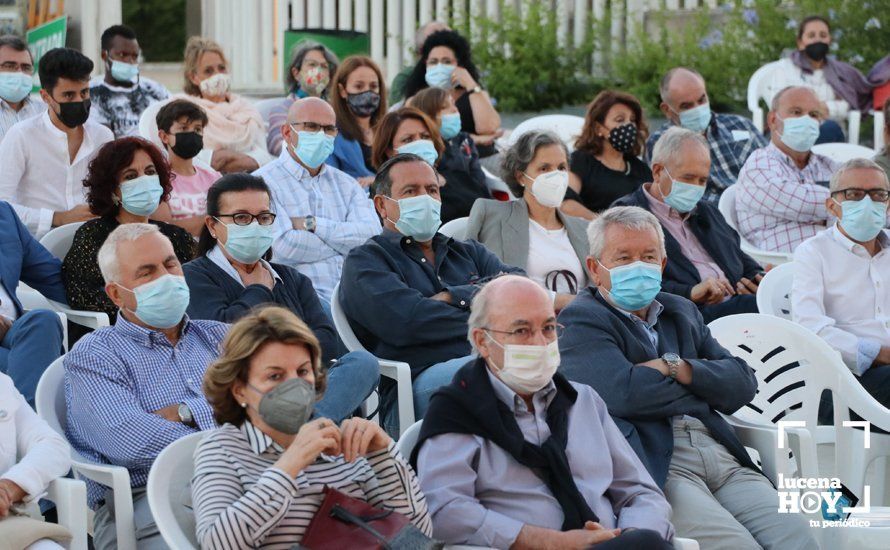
[[135, 387], [504, 455], [841, 276], [782, 187], [666, 382], [706, 263]]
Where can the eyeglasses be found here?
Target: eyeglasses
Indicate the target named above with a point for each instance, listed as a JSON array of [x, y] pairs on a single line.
[[853, 194], [550, 331], [245, 218], [313, 127]]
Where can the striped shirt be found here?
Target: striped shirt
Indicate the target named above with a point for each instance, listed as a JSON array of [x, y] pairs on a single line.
[[344, 216], [32, 106], [242, 501], [115, 380]]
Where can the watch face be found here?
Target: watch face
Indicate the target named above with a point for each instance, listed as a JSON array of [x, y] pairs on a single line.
[[671, 357]]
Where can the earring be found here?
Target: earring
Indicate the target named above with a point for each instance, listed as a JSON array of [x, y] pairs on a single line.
[[244, 405]]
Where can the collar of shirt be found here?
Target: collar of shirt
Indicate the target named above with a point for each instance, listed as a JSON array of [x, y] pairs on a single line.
[[298, 170], [661, 208], [856, 248], [655, 309], [782, 157], [146, 337], [541, 398], [410, 245], [216, 256]]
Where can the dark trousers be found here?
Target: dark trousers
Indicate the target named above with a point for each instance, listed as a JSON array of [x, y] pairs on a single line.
[[636, 539], [830, 132], [876, 382], [740, 303]]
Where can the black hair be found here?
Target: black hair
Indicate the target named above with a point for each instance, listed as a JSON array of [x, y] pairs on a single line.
[[230, 183], [63, 63], [116, 30], [450, 39], [809, 19], [14, 42], [382, 181], [176, 109]]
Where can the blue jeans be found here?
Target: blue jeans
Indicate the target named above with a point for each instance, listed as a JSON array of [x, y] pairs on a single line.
[[33, 342], [350, 381]]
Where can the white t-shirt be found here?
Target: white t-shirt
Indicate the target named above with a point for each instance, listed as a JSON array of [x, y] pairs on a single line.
[[550, 250]]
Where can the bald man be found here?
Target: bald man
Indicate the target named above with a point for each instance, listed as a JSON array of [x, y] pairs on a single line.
[[731, 138], [322, 213], [504, 456], [783, 187]]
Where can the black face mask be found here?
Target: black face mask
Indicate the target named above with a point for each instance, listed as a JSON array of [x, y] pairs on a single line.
[[816, 51], [74, 113], [363, 104], [188, 144], [623, 138]]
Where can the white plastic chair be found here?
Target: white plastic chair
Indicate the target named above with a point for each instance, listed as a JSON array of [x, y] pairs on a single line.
[[70, 498], [567, 127], [169, 477], [496, 185], [406, 443], [58, 242], [396, 370], [763, 257], [456, 228], [759, 87], [842, 152], [879, 130], [774, 292], [50, 401], [31, 299]]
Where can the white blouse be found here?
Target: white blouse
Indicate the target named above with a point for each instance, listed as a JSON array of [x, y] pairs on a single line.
[[786, 73], [31, 453], [551, 250]]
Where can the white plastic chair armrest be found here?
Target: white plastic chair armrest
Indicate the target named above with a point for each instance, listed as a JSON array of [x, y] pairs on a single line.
[[118, 479], [757, 118], [851, 394], [89, 319], [685, 544], [70, 497], [854, 119], [764, 440], [401, 373]]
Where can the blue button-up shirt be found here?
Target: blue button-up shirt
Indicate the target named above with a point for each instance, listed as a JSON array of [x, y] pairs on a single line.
[[387, 288], [344, 217], [116, 377]]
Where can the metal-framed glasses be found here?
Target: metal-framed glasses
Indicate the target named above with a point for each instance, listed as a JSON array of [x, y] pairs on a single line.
[[329, 129], [246, 218], [854, 194], [550, 331]]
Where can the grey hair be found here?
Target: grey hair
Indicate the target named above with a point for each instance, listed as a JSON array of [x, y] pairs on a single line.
[[774, 104], [125, 233], [630, 217], [852, 164], [671, 142], [298, 54], [520, 155], [481, 304], [383, 180], [665, 84]]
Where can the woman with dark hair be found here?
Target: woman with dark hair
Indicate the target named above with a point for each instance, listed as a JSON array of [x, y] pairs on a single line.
[[459, 162], [445, 62], [308, 75], [128, 181], [605, 164], [838, 85], [233, 274], [359, 100]]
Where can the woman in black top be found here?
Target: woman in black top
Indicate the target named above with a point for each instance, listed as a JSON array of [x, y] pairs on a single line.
[[459, 162], [127, 181], [605, 164]]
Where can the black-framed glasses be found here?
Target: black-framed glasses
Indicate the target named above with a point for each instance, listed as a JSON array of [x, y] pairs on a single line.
[[246, 218], [854, 194], [550, 331], [314, 127]]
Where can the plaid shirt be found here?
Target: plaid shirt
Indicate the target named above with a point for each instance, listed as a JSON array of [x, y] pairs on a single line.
[[780, 205], [8, 116], [732, 139], [116, 377], [344, 215]]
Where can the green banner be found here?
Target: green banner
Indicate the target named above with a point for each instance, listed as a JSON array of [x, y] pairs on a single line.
[[45, 37]]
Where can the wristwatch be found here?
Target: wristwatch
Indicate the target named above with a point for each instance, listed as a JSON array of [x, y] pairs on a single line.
[[309, 223], [673, 362], [185, 415], [476, 90]]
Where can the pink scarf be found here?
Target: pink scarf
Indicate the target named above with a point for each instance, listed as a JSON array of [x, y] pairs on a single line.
[[234, 124]]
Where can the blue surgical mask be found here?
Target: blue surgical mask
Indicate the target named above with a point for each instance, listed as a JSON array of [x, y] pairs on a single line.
[[439, 75], [683, 196], [419, 217], [697, 118], [800, 133], [142, 195], [450, 125], [313, 148], [248, 243], [161, 303], [423, 148], [16, 86], [635, 285], [862, 220], [124, 72]]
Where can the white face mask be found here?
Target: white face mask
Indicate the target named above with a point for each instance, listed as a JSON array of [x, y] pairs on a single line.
[[216, 86], [527, 369], [549, 188]]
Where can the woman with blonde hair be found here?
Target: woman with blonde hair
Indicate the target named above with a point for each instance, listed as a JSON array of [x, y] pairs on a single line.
[[260, 478], [235, 132]]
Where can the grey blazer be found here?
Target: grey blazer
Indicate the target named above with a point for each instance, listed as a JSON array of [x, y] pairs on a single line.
[[503, 228]]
